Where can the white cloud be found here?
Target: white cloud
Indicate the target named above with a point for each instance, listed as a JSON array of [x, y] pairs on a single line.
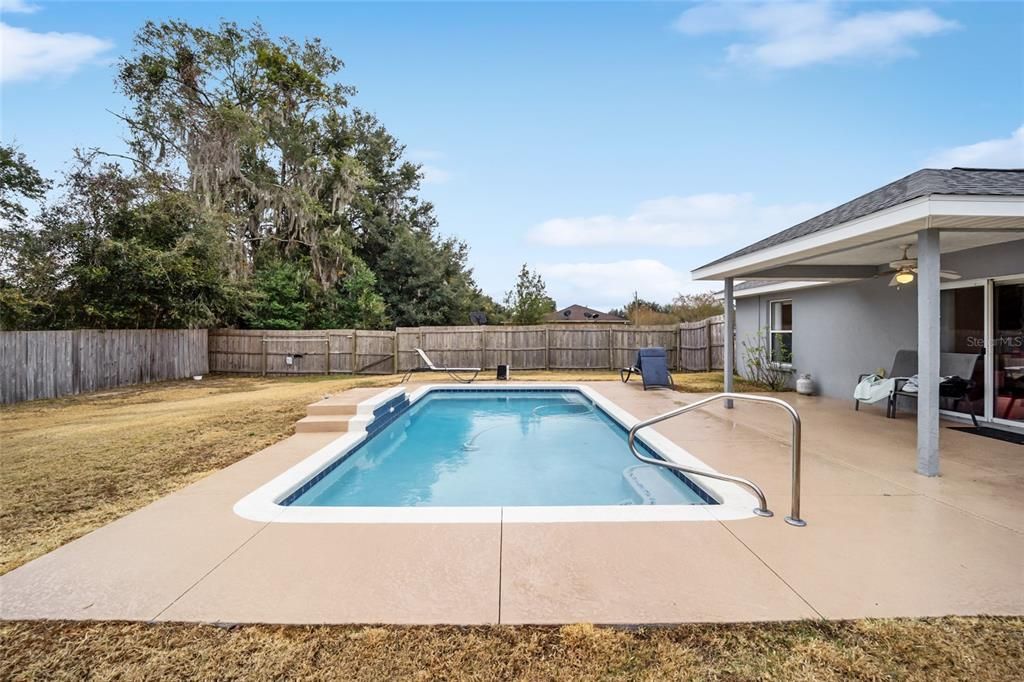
[[1004, 152], [27, 55], [694, 220], [433, 175], [788, 35], [17, 7], [609, 285]]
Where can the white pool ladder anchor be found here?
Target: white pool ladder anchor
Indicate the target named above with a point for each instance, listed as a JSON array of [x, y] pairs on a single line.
[[762, 509]]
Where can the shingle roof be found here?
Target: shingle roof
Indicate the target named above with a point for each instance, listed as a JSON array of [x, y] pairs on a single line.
[[753, 284], [968, 181], [581, 313], [747, 284]]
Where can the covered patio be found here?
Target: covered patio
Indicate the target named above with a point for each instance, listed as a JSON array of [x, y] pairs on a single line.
[[870, 277]]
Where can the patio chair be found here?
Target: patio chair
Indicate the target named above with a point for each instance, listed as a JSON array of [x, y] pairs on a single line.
[[904, 365], [960, 368], [456, 373], [652, 366], [626, 372]]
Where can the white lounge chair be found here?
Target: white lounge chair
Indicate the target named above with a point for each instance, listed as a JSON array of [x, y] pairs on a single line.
[[456, 373]]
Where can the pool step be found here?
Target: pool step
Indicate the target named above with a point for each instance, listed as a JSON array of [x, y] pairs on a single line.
[[331, 407], [322, 423], [341, 404], [333, 412]]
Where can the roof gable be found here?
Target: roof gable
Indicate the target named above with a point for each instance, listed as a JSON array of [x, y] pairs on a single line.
[[959, 181]]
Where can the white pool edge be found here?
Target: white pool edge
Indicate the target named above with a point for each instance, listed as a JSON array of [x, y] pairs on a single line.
[[262, 504]]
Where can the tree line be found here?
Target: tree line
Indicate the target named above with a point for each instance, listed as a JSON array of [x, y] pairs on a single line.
[[251, 194], [683, 308]]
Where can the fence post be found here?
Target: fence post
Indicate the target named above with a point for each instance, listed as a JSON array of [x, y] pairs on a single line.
[[707, 343], [394, 351], [611, 348], [327, 355], [76, 362], [355, 351], [263, 360], [679, 348], [547, 347], [483, 348]]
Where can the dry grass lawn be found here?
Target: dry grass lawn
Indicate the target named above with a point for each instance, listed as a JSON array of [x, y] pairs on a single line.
[[978, 649], [71, 465]]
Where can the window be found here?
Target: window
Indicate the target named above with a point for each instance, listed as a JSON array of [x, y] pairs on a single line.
[[780, 331]]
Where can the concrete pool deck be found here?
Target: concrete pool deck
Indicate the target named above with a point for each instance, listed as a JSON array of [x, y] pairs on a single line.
[[881, 541]]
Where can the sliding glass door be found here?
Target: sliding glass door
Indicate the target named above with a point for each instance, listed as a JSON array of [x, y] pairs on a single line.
[[987, 317], [962, 330], [1008, 350]]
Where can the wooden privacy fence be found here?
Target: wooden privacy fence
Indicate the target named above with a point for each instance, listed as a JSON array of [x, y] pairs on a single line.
[[55, 363], [702, 345], [696, 346], [553, 346], [322, 351], [51, 364]]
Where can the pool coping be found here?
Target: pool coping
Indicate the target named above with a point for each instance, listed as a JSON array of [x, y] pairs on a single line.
[[263, 504]]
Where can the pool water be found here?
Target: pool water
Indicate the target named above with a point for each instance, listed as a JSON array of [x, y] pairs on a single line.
[[497, 448]]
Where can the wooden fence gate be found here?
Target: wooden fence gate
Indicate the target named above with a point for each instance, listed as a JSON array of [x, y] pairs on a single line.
[[327, 351], [702, 345]]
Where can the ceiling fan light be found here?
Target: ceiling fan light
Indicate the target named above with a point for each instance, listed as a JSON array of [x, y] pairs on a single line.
[[904, 277]]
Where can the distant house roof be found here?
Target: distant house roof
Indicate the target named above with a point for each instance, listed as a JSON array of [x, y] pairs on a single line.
[[959, 181], [581, 313]]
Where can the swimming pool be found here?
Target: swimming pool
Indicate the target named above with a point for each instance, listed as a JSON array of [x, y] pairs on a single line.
[[505, 448], [468, 453]]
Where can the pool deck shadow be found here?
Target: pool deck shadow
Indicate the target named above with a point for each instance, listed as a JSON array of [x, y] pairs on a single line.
[[881, 541]]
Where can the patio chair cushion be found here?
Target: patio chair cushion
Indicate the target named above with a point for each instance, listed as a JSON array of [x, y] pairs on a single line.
[[904, 364], [957, 370], [958, 365], [654, 370], [650, 352]]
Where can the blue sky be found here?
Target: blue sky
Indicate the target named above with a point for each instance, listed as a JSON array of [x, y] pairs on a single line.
[[612, 146]]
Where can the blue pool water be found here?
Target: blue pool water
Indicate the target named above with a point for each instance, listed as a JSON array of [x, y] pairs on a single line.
[[497, 448]]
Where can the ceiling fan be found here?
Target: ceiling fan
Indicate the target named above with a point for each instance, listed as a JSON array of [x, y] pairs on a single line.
[[906, 269]]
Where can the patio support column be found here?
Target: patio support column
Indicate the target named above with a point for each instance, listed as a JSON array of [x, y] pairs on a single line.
[[928, 352], [729, 347]]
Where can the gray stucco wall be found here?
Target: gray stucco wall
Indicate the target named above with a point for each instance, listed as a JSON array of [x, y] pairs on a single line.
[[843, 330]]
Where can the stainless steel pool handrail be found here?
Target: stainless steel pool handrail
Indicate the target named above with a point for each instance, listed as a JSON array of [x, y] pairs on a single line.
[[762, 510]]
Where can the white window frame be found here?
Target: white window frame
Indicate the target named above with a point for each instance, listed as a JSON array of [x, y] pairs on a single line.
[[772, 331]]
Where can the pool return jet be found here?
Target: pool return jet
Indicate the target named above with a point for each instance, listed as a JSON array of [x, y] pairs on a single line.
[[762, 509]]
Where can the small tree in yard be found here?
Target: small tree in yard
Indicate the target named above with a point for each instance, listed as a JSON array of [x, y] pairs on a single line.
[[762, 367], [528, 302], [696, 307]]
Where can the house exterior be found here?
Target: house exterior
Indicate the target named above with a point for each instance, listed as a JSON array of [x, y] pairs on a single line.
[[824, 295], [580, 314]]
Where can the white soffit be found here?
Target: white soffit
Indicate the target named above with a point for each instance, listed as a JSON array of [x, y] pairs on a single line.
[[883, 252], [776, 287]]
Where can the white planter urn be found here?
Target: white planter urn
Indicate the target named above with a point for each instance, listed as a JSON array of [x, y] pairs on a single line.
[[805, 385]]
